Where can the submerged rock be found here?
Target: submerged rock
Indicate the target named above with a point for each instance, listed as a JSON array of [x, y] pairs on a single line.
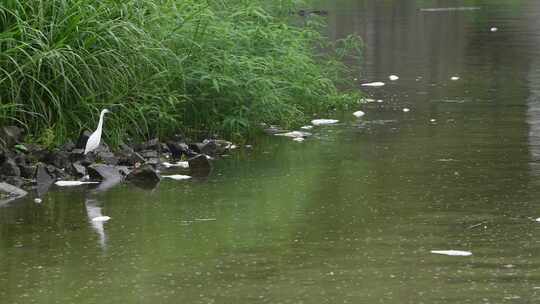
[[144, 174], [199, 166], [295, 134], [9, 193]]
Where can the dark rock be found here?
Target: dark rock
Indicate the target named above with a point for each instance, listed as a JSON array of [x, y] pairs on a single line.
[[154, 161], [200, 165], [78, 169], [10, 135], [57, 173], [68, 147], [274, 130], [209, 147], [145, 174], [108, 158], [104, 172], [61, 159], [128, 157], [196, 147], [17, 181], [152, 144], [77, 155], [10, 192], [149, 154], [27, 171], [178, 149], [103, 147], [37, 153], [83, 138], [10, 168]]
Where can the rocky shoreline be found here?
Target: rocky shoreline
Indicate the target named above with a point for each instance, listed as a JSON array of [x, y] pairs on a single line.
[[35, 168]]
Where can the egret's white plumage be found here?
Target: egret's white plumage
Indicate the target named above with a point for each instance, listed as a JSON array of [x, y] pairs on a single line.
[[95, 138]]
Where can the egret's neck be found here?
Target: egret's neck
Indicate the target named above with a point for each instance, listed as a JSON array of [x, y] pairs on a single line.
[[100, 123]]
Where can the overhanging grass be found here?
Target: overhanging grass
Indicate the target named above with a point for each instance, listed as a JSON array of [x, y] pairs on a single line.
[[162, 66]]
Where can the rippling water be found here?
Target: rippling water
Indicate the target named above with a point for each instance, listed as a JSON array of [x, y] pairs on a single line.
[[349, 216]]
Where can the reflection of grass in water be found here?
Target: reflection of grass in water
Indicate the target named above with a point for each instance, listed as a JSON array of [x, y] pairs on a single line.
[[217, 66]]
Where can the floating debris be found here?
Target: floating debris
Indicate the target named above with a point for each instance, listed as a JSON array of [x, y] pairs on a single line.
[[367, 100], [72, 183], [177, 177], [180, 164], [538, 220], [306, 127], [204, 219], [452, 252], [101, 219], [379, 100], [449, 9], [393, 77], [299, 139], [373, 84], [454, 78], [38, 200], [323, 122], [433, 120], [359, 114], [406, 110], [493, 29], [295, 134]]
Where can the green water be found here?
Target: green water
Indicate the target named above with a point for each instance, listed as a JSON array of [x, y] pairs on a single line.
[[348, 216]]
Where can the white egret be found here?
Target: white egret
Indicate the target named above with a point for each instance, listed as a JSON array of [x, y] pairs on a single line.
[[95, 138]]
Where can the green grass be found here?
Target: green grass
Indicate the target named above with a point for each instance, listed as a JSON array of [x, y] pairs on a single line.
[[163, 66]]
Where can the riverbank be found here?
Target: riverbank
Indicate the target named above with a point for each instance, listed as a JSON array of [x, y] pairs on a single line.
[[199, 68]]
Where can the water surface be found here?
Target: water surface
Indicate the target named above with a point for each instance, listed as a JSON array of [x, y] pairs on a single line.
[[349, 216]]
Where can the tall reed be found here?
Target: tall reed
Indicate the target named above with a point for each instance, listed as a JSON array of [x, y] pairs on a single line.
[[162, 66]]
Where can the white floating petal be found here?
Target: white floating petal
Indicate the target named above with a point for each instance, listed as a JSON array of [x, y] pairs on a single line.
[[454, 78], [373, 84], [101, 219], [306, 127], [393, 77], [538, 220], [177, 177], [323, 122], [406, 110], [359, 114], [452, 252], [493, 29], [72, 183]]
